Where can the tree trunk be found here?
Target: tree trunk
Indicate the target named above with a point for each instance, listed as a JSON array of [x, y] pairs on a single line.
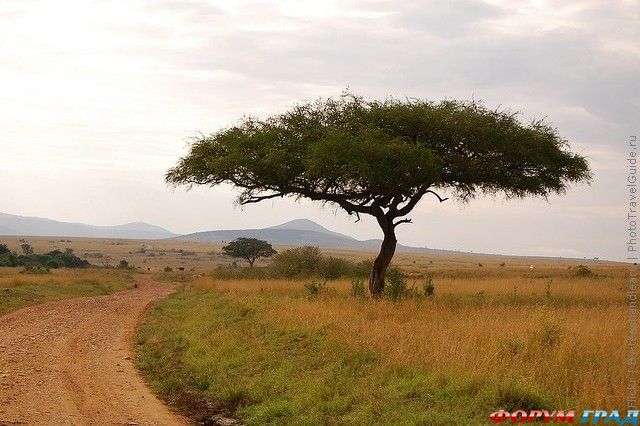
[[380, 265]]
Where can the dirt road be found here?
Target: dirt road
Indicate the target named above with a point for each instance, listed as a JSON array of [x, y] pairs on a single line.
[[69, 363]]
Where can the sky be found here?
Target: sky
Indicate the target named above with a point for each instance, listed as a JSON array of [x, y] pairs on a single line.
[[99, 98]]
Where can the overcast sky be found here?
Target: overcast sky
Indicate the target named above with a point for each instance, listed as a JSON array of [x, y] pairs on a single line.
[[98, 99]]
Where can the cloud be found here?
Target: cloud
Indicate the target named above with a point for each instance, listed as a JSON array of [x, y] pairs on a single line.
[[119, 86]]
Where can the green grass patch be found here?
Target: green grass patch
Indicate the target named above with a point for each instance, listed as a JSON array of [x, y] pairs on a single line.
[[202, 348], [20, 290]]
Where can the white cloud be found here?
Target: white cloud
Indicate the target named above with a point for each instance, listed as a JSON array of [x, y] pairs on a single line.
[[109, 91]]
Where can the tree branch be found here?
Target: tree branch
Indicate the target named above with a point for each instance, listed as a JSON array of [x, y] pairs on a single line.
[[402, 221], [413, 200], [257, 198], [442, 200]]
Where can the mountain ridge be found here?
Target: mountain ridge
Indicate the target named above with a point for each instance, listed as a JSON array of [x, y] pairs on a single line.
[[298, 232], [15, 225]]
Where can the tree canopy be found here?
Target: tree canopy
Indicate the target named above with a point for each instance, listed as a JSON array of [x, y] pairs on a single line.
[[381, 157], [249, 249]]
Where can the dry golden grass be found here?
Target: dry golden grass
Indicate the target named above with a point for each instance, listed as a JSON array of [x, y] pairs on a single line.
[[485, 323]]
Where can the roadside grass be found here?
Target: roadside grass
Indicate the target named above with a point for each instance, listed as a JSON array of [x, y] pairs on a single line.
[[266, 351], [18, 290], [247, 366]]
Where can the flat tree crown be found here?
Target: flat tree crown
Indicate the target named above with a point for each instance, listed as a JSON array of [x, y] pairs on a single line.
[[381, 157], [360, 154]]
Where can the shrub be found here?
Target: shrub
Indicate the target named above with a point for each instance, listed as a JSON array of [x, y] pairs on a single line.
[[357, 288], [428, 288], [8, 259], [53, 259], [299, 262], [123, 264], [583, 272], [4, 249], [332, 268], [396, 285], [314, 288], [168, 269]]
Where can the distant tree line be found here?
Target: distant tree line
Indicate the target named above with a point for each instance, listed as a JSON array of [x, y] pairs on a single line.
[[29, 259]]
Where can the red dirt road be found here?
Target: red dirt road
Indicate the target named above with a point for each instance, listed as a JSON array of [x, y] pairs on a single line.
[[69, 363]]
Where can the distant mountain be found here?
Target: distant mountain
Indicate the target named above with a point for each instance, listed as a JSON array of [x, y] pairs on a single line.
[[299, 232], [36, 226]]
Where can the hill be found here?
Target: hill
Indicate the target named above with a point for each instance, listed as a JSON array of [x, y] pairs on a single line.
[[36, 226], [299, 232]]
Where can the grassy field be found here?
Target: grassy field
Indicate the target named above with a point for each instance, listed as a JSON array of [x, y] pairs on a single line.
[[18, 289], [500, 335]]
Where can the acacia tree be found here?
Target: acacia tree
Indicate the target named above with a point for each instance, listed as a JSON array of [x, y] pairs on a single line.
[[381, 157], [249, 249]]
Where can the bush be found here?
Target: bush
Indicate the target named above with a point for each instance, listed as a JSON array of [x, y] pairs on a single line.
[[299, 262], [357, 288], [314, 288], [8, 259], [168, 269], [123, 264], [428, 288], [583, 272], [396, 284], [4, 249], [53, 259], [308, 261]]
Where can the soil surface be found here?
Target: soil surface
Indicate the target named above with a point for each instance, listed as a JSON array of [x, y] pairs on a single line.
[[70, 362]]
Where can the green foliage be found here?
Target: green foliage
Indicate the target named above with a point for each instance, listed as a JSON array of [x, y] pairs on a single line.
[[298, 262], [249, 249], [4, 249], [583, 272], [168, 269], [123, 264], [357, 288], [314, 288], [53, 259], [8, 259], [340, 150], [308, 261], [396, 284]]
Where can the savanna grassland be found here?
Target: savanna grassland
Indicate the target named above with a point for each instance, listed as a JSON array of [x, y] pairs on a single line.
[[494, 334], [19, 289]]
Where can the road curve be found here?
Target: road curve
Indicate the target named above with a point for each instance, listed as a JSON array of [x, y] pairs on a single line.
[[70, 362]]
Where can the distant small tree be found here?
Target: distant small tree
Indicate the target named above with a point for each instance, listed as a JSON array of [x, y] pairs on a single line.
[[123, 264], [4, 249], [249, 249]]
